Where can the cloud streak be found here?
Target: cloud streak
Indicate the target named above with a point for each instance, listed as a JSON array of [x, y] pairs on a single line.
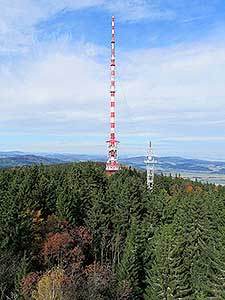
[[137, 10]]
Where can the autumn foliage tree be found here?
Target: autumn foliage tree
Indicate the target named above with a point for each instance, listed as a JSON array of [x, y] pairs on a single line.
[[52, 285]]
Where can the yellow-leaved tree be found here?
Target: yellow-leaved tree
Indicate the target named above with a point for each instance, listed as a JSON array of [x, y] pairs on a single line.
[[51, 285]]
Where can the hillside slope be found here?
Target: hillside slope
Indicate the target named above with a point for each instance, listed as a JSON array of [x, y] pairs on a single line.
[[26, 160]]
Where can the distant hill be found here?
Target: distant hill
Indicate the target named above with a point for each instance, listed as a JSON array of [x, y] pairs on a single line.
[[164, 164], [12, 154], [67, 157], [178, 164], [17, 158], [26, 160]]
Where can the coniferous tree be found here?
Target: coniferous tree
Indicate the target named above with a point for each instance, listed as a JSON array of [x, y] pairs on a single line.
[[130, 268], [159, 284]]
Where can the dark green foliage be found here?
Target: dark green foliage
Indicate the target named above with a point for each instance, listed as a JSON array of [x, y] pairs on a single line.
[[186, 260], [164, 245], [159, 285], [130, 269], [8, 268]]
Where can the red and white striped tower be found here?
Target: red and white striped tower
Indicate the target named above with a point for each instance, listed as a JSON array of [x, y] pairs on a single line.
[[112, 164]]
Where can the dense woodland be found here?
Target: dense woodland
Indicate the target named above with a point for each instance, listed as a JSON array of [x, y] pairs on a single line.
[[68, 232]]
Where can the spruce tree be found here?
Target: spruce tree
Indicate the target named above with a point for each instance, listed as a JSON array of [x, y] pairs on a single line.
[[159, 285], [130, 269]]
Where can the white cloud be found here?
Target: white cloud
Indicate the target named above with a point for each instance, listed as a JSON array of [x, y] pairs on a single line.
[[29, 12], [177, 78], [195, 139], [59, 85], [136, 10], [54, 6], [19, 17], [177, 92]]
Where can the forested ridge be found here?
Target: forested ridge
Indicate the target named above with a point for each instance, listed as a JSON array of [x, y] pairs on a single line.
[[68, 232]]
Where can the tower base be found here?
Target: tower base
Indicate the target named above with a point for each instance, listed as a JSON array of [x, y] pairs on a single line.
[[111, 168]]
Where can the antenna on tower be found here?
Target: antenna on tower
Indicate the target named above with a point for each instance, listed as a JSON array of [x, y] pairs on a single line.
[[112, 164], [150, 163]]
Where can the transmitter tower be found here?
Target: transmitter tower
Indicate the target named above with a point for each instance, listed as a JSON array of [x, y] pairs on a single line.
[[150, 162], [112, 164]]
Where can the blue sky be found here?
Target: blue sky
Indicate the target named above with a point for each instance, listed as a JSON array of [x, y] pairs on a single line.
[[54, 76]]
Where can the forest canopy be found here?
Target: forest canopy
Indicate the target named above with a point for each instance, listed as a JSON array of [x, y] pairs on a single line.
[[68, 232]]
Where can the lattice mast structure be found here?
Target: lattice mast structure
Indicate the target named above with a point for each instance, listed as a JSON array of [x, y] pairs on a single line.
[[112, 164], [150, 166]]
